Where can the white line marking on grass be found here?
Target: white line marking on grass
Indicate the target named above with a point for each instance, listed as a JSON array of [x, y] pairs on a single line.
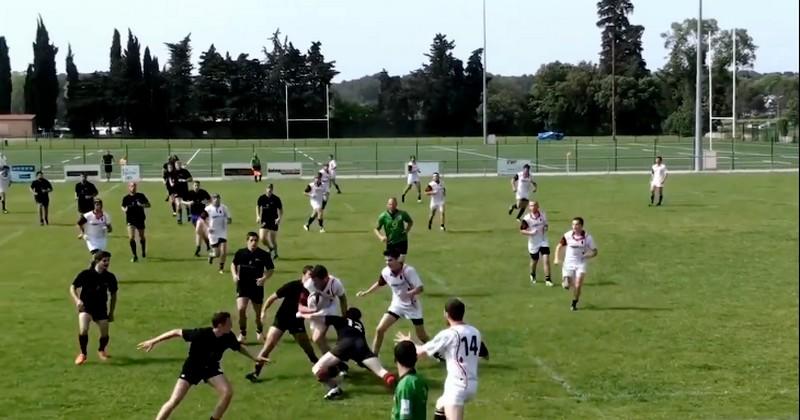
[[777, 161], [65, 161], [46, 167], [90, 154], [559, 380], [188, 162], [450, 149], [22, 230], [349, 207], [306, 155]]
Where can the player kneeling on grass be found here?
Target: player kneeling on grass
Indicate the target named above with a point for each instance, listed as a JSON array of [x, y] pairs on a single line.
[[285, 320], [94, 292], [580, 247], [350, 345], [436, 191], [205, 353], [534, 226], [406, 287]]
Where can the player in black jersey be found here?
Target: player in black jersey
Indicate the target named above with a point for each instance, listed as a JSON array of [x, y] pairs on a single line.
[[350, 345], [202, 364], [41, 189], [293, 293], [269, 211], [94, 292], [133, 204]]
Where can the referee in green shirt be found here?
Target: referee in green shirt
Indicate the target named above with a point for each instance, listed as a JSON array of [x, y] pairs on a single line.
[[396, 224], [411, 393]]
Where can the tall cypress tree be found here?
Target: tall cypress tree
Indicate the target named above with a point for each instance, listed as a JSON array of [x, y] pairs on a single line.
[[132, 76], [30, 99], [116, 92], [626, 37], [179, 78], [44, 81], [76, 113], [5, 78]]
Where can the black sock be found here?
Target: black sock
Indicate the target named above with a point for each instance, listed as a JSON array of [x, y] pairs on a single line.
[[103, 343], [83, 340], [275, 249], [430, 222], [324, 204], [652, 198], [311, 220], [439, 415], [132, 243], [312, 357], [533, 275], [574, 302], [519, 213], [221, 266], [197, 249], [547, 277], [143, 243], [258, 368], [660, 197], [4, 204], [173, 206], [320, 222], [180, 212]]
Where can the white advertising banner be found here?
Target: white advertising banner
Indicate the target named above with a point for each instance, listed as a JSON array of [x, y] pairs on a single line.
[[511, 166], [131, 173], [425, 168], [278, 170]]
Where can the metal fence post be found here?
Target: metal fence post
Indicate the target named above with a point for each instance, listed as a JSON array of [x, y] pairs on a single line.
[[772, 151], [212, 159], [294, 151], [655, 148], [335, 151], [41, 159], [83, 147], [457, 159], [416, 148], [576, 155], [376, 158], [733, 154], [536, 167]]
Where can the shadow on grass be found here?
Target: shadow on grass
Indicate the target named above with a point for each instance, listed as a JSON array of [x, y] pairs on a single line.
[[602, 283], [145, 360], [170, 259], [458, 294], [623, 308], [468, 231], [153, 281], [62, 224]]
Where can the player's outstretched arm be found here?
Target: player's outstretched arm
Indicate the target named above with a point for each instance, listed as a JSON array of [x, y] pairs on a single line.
[[270, 300], [148, 345], [362, 293], [258, 359], [111, 306], [343, 303]]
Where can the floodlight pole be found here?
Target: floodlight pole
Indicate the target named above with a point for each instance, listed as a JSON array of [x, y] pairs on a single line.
[[710, 96], [734, 84], [485, 116], [286, 102], [698, 93], [328, 111], [614, 90]]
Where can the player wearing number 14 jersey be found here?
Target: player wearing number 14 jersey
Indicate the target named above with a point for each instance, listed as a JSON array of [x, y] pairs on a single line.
[[461, 346]]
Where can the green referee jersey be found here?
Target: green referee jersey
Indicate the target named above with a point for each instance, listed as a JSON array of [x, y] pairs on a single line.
[[410, 398], [394, 225]]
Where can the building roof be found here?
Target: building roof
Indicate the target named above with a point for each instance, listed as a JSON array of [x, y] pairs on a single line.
[[17, 117]]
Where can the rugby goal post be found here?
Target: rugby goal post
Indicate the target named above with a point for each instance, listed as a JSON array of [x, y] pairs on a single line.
[[327, 117]]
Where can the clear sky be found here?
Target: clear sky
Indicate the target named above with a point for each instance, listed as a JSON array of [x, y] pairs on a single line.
[[364, 36]]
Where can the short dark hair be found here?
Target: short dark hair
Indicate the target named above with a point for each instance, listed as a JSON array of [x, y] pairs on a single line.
[[319, 272], [659, 158], [39, 173], [526, 166], [578, 219], [405, 353], [392, 253], [455, 309], [220, 318], [353, 313], [270, 186], [252, 235], [100, 255], [307, 268]]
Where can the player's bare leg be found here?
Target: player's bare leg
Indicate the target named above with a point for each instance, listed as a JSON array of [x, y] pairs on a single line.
[[273, 338], [225, 391], [178, 393], [454, 412], [374, 364], [259, 324], [546, 267], [403, 197], [442, 217], [3, 201], [223, 255], [419, 330], [305, 343], [385, 323], [522, 204], [430, 218], [325, 371], [173, 203], [318, 335], [532, 264], [241, 309], [660, 191], [272, 238], [576, 290], [104, 339], [84, 320]]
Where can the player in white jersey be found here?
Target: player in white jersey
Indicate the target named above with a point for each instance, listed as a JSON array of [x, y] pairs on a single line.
[[5, 183], [580, 247], [658, 176], [522, 184], [219, 217], [461, 346], [412, 179], [436, 191], [316, 191], [326, 182], [326, 294], [332, 170], [406, 287], [94, 227], [534, 225]]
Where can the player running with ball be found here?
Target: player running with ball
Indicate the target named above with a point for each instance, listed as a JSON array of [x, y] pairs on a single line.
[[580, 247]]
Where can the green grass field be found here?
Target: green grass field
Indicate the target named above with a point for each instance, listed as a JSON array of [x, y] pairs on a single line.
[[690, 310], [387, 156]]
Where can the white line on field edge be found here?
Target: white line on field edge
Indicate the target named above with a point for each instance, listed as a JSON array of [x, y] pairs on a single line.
[[193, 156]]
